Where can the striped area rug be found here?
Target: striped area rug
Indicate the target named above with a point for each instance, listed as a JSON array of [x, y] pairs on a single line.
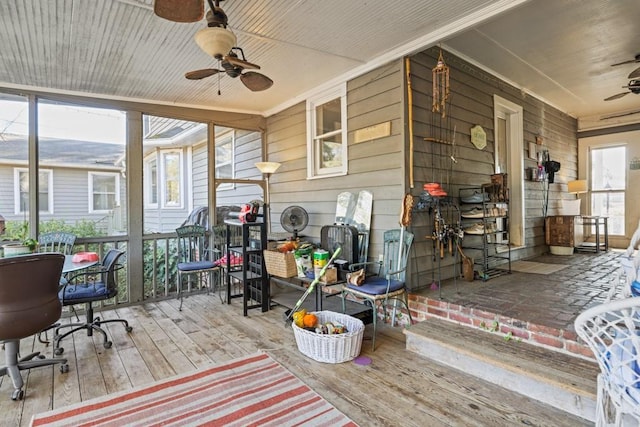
[[252, 390]]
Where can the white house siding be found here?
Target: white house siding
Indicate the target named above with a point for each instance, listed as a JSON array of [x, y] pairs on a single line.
[[248, 151], [70, 196], [375, 165], [200, 182]]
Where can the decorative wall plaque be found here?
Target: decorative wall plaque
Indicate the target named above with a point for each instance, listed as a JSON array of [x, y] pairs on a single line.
[[478, 137]]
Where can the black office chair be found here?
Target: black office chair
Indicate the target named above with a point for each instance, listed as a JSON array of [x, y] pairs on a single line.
[[86, 288], [28, 304]]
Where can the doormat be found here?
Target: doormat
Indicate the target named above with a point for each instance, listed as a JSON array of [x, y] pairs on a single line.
[[536, 267], [252, 390]]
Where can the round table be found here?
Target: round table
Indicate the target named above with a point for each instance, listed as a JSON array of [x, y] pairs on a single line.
[[70, 266]]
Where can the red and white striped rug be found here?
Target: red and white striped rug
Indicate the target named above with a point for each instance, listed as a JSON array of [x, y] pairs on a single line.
[[252, 390]]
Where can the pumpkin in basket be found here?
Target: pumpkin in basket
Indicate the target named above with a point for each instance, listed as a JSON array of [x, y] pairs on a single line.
[[298, 317], [309, 320]]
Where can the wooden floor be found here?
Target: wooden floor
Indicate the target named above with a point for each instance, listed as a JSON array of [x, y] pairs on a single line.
[[398, 388]]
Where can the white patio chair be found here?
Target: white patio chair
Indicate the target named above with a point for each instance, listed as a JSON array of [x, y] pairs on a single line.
[[611, 331]]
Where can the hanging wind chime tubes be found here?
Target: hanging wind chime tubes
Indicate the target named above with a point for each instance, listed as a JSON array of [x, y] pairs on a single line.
[[440, 76]]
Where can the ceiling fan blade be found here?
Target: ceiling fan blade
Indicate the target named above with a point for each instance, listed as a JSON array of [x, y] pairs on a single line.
[[616, 96], [635, 74], [179, 10], [201, 74], [630, 61], [256, 81], [237, 62]]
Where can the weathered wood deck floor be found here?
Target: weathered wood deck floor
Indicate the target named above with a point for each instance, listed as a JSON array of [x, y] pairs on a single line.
[[398, 388]]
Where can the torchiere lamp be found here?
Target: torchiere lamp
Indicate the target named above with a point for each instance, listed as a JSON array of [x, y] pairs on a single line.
[[267, 168]]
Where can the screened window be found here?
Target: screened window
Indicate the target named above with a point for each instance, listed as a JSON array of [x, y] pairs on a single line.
[[45, 191], [104, 194], [327, 134]]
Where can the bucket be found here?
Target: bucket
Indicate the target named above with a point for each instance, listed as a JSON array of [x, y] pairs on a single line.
[[320, 259]]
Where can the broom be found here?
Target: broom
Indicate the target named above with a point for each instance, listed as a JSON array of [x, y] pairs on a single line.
[[311, 287]]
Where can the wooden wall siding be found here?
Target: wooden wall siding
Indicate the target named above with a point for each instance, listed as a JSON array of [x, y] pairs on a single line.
[[199, 162], [471, 103], [376, 165]]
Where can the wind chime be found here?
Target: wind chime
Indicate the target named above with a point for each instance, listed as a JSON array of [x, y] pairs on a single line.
[[440, 77]]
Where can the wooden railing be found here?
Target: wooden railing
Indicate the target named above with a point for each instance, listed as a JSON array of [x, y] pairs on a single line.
[[160, 279]]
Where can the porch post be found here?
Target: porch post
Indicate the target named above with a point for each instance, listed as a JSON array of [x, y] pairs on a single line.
[[135, 204]]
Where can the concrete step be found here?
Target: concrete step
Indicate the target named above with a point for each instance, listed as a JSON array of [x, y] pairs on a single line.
[[557, 379]]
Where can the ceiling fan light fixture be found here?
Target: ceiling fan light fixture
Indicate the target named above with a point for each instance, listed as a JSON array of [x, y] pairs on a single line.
[[215, 41]]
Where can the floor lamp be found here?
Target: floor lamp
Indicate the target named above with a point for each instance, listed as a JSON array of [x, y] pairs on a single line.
[[267, 168]]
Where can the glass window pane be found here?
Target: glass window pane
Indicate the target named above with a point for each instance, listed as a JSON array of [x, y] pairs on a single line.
[[611, 205], [607, 173], [328, 117], [331, 152], [172, 179]]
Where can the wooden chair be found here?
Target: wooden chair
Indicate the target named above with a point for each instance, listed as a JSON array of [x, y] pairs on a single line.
[[194, 257], [612, 332], [388, 284]]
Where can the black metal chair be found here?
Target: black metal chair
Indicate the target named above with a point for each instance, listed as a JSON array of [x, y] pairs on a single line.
[[28, 303], [86, 288]]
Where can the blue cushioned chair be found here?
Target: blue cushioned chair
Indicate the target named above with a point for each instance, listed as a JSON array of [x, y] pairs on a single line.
[[194, 257], [86, 288], [388, 284]]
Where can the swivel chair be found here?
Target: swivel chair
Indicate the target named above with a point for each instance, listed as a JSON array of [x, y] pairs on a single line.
[[28, 304], [86, 288]]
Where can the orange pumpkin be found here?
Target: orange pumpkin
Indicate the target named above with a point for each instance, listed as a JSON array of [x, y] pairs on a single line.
[[309, 320]]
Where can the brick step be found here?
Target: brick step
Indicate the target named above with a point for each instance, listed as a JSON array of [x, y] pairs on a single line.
[[557, 379]]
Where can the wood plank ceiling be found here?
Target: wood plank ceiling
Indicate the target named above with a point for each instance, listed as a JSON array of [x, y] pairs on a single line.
[[559, 50]]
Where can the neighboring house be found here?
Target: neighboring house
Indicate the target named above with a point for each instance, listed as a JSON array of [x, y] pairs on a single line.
[[78, 180], [83, 180]]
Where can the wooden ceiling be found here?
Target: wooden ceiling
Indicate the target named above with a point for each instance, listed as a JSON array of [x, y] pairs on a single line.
[[558, 50]]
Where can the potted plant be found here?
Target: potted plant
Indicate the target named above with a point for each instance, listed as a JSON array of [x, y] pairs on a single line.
[[24, 245]]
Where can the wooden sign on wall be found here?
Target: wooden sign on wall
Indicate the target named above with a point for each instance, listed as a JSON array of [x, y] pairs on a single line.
[[478, 137]]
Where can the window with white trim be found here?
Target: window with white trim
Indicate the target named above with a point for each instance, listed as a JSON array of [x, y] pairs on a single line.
[[327, 134], [151, 182], [104, 191], [171, 179], [225, 146], [21, 190]]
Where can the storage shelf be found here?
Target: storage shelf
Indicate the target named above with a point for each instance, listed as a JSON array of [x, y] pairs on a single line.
[[486, 242], [251, 274]]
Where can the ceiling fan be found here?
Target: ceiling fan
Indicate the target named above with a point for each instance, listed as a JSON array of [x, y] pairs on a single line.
[[633, 86], [216, 40], [635, 73]]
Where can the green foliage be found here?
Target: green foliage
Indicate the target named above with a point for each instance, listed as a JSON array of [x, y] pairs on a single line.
[[19, 230], [160, 271]]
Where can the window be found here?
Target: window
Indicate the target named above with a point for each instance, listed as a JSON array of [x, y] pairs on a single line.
[[327, 134], [224, 158], [151, 180], [45, 192], [608, 185], [172, 182], [104, 191]]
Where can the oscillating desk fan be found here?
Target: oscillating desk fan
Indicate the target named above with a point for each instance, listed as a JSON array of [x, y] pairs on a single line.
[[294, 219]]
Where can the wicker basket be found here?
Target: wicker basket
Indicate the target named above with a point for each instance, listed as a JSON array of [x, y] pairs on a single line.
[[331, 348], [280, 264]]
